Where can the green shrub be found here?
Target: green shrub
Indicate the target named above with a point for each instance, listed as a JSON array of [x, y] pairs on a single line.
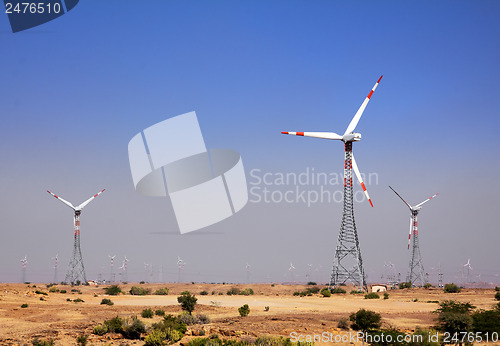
[[233, 291], [147, 313], [53, 289], [132, 328], [187, 301], [403, 285], [74, 290], [386, 295], [326, 292], [106, 301], [139, 291], [160, 312], [187, 318], [313, 290], [41, 292], [244, 310], [427, 285], [68, 299], [155, 338], [203, 293], [78, 300], [113, 290], [25, 305], [203, 319], [162, 291], [114, 325], [365, 320], [38, 342], [486, 321], [337, 290], [63, 291], [82, 340], [497, 296], [497, 289], [266, 308], [100, 329], [451, 288], [311, 283], [247, 292], [343, 323], [170, 322], [356, 292], [372, 295]]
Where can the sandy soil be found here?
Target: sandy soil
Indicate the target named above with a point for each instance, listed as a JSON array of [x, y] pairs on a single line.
[[62, 320]]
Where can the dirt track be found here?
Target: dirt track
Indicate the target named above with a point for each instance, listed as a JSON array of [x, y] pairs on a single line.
[[63, 320]]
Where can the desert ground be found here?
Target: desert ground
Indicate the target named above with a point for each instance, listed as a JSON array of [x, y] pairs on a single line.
[[61, 320]]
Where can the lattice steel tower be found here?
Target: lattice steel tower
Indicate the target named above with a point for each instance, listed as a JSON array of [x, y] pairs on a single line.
[[347, 264], [416, 274], [76, 270]]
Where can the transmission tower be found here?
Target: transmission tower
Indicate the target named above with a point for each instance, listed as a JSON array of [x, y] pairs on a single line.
[[348, 264]]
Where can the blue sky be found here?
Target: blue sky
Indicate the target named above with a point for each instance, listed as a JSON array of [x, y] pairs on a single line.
[[77, 89]]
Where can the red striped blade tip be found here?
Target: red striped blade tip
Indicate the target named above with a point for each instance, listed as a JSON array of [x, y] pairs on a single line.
[[380, 78]]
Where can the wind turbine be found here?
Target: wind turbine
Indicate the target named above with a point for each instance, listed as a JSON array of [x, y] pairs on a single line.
[[416, 268], [347, 264], [180, 266], [124, 269], [24, 263], [111, 266], [76, 270], [247, 269], [469, 268], [56, 264], [291, 270]]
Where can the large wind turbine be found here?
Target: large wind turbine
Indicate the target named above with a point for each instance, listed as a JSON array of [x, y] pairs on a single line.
[[347, 264], [24, 263], [416, 272], [76, 270]]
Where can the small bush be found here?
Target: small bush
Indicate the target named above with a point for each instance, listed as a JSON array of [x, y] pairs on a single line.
[[78, 300], [451, 288], [403, 285], [155, 338], [203, 293], [139, 291], [25, 305], [74, 290], [244, 310], [162, 291], [247, 292], [160, 312], [313, 290], [113, 290], [147, 313], [497, 289], [38, 342], [372, 295], [187, 318], [266, 308], [63, 291], [100, 329], [233, 291], [106, 301], [311, 283], [386, 295], [53, 289], [68, 300], [338, 290], [356, 292], [132, 328], [41, 292], [114, 325], [326, 292], [427, 286], [203, 319], [497, 296], [187, 301], [82, 340], [343, 323]]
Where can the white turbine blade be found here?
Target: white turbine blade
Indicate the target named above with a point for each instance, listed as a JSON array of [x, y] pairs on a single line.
[[324, 135], [358, 175], [400, 197], [427, 200], [360, 111], [81, 206], [409, 234], [62, 200]]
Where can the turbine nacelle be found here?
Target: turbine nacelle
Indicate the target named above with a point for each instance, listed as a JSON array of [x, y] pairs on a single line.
[[351, 137]]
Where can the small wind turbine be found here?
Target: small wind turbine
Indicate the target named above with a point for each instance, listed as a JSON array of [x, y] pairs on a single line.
[[416, 268], [469, 268], [291, 270], [180, 267], [247, 269], [111, 267], [24, 263], [124, 269], [146, 267], [56, 264]]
